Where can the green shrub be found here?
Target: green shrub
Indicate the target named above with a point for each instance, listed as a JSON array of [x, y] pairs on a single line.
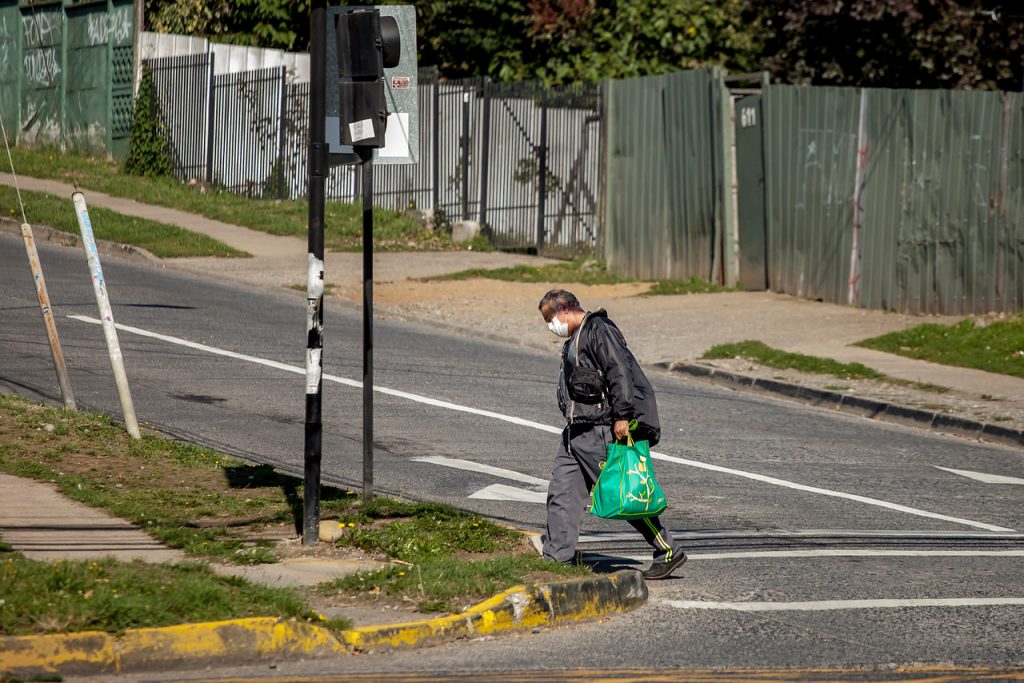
[[149, 148]]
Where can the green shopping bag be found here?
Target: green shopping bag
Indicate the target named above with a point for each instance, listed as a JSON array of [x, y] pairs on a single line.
[[626, 488]]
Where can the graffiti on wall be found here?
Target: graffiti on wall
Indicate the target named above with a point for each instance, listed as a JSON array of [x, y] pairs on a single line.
[[42, 29], [42, 67], [115, 27]]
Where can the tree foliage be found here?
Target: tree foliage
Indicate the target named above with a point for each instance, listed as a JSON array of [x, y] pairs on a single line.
[[884, 43], [281, 24], [582, 40], [891, 43]]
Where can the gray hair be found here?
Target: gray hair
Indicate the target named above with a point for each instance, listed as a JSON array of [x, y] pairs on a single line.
[[558, 299]]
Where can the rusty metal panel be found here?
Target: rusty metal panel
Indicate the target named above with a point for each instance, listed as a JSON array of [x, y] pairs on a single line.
[[939, 207], [810, 172], [936, 209], [664, 177], [896, 199]]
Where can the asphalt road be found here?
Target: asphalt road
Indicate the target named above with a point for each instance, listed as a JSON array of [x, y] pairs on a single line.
[[816, 539]]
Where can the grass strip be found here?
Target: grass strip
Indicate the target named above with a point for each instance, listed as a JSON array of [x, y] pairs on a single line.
[[993, 347], [392, 230], [584, 272], [107, 595], [160, 239], [216, 508], [759, 352]]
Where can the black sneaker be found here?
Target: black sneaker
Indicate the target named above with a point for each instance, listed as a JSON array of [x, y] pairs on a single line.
[[662, 570]]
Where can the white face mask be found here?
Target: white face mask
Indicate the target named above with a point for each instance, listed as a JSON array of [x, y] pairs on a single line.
[[558, 328]]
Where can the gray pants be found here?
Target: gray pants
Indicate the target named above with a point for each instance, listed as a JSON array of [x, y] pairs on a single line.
[[581, 450]]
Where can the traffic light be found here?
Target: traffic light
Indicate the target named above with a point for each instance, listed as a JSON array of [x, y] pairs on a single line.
[[366, 44]]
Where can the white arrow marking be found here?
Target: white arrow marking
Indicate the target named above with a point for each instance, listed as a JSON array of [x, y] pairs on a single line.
[[471, 466], [981, 476], [504, 492]]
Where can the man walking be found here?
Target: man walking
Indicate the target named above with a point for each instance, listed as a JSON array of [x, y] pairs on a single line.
[[601, 389]]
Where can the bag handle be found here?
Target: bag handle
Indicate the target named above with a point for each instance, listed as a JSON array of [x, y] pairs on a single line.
[[633, 424]]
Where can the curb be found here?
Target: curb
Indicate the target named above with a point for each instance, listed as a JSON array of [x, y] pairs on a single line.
[[44, 233], [845, 403], [247, 640]]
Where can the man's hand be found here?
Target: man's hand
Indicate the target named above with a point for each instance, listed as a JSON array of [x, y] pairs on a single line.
[[620, 428]]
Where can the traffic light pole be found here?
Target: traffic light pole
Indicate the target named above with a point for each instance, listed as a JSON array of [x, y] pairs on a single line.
[[366, 155], [318, 166]]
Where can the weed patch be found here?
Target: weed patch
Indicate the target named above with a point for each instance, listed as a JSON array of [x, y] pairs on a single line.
[[760, 352], [446, 584], [993, 347], [584, 272]]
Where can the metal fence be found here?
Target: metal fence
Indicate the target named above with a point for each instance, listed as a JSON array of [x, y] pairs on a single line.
[[521, 159], [904, 200]]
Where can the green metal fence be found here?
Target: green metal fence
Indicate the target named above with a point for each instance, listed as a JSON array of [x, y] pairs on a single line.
[[900, 200], [66, 73], [666, 213]]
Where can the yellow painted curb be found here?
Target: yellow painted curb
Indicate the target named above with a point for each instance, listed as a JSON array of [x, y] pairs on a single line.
[[153, 648], [517, 609], [248, 640]]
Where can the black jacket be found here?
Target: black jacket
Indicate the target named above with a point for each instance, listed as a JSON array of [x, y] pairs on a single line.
[[628, 394]]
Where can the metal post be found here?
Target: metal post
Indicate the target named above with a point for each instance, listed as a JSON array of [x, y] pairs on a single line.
[[436, 143], [318, 162], [853, 295], [211, 92], [485, 151], [542, 164], [51, 328], [367, 156], [282, 122], [464, 163], [106, 316]]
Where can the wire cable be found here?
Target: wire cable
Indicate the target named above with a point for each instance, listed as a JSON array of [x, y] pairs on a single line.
[[7, 146]]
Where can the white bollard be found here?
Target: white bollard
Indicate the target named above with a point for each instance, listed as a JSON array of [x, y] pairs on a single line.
[[106, 316]]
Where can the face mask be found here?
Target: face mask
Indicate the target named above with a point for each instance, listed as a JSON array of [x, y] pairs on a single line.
[[558, 328]]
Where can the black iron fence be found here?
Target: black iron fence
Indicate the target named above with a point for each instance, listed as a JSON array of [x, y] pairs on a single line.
[[521, 159]]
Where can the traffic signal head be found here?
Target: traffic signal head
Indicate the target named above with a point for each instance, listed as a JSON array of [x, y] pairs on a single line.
[[366, 44]]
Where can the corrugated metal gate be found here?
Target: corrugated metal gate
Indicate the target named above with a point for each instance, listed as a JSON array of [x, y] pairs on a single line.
[[187, 119], [901, 200], [666, 203]]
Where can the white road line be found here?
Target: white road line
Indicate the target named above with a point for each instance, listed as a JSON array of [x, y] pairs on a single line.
[[547, 428], [828, 492], [981, 476], [609, 537], [830, 552], [504, 492], [471, 466], [827, 605]]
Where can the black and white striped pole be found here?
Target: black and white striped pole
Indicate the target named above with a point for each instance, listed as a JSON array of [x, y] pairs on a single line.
[[318, 167]]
